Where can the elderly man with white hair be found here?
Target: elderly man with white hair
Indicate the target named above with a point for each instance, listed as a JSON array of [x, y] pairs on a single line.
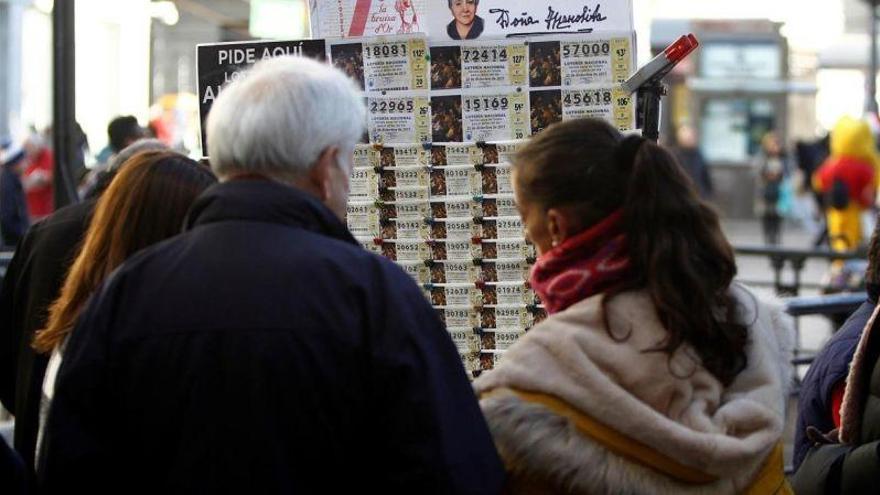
[[263, 350]]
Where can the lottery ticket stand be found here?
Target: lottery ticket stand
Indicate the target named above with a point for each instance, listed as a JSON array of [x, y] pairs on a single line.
[[431, 186]]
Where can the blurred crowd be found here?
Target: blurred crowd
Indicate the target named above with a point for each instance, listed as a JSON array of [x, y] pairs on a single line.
[[27, 179]]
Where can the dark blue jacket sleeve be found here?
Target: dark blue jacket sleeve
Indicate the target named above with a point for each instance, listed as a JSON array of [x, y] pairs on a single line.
[[431, 428], [829, 368]]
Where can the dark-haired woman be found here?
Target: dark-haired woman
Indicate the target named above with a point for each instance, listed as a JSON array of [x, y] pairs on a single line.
[[145, 203], [654, 372]]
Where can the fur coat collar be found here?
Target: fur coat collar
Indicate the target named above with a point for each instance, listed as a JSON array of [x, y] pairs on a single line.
[[671, 404]]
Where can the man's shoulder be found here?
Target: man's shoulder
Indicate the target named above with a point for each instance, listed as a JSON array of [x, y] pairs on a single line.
[[843, 342], [57, 236], [77, 214], [833, 359], [306, 251]]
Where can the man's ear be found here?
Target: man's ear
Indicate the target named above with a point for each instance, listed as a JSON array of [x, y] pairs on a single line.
[[320, 176]]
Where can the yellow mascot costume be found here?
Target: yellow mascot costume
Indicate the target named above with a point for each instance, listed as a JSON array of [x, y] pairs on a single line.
[[848, 181]]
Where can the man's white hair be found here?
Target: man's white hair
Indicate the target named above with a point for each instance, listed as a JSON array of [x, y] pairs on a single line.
[[279, 118]]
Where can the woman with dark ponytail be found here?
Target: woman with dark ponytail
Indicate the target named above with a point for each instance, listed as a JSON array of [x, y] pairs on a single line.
[[655, 372]]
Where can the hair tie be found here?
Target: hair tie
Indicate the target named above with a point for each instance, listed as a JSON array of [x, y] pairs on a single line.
[[627, 149]]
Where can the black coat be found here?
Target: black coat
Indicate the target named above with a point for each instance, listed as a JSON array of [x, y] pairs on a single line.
[[830, 367], [14, 219], [32, 282], [835, 468], [264, 351]]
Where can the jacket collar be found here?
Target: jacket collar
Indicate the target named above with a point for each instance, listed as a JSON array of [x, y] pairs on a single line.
[[263, 200], [873, 292]]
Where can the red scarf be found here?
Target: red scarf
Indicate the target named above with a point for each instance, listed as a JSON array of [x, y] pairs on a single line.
[[582, 266]]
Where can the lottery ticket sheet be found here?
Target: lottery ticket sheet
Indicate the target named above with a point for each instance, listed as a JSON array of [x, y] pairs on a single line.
[[399, 117], [479, 64], [384, 63]]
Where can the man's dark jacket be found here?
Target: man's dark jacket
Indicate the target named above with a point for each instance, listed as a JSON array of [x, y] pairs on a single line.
[[264, 351], [828, 369], [32, 282]]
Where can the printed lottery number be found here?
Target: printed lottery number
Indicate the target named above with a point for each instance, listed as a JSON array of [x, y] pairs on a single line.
[[487, 55], [392, 106], [586, 50], [588, 98], [477, 104], [385, 51]]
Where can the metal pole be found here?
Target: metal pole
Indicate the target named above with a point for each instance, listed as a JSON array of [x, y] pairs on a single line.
[[64, 100], [871, 78]]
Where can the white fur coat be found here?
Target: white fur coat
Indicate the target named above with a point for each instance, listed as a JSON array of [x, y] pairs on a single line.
[[672, 405]]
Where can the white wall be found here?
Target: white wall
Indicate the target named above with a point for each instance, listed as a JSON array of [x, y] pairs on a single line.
[[112, 65], [36, 71]]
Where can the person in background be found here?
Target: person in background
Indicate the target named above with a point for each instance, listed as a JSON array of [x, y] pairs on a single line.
[[810, 155], [687, 150], [264, 350], [654, 372], [771, 168], [121, 132], [846, 459], [848, 180], [14, 220], [146, 203], [32, 281], [37, 178], [822, 389]]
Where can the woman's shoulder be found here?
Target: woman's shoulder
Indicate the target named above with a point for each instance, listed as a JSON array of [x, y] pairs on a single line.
[[763, 313]]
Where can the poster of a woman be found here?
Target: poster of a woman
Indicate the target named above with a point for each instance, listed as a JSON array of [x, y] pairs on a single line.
[[465, 24]]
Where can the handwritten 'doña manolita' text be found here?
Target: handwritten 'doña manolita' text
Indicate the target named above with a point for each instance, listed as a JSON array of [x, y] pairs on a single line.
[[554, 21]]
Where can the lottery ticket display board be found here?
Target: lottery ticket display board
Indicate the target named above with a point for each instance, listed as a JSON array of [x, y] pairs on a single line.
[[445, 212], [431, 186]]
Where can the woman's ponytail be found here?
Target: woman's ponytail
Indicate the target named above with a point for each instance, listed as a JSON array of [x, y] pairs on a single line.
[[681, 257], [678, 252]]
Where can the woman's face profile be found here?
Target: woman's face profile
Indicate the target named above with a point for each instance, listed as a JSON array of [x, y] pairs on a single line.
[[464, 11], [533, 218]]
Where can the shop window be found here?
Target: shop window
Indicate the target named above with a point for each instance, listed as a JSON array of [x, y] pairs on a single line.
[[731, 129], [741, 61]]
